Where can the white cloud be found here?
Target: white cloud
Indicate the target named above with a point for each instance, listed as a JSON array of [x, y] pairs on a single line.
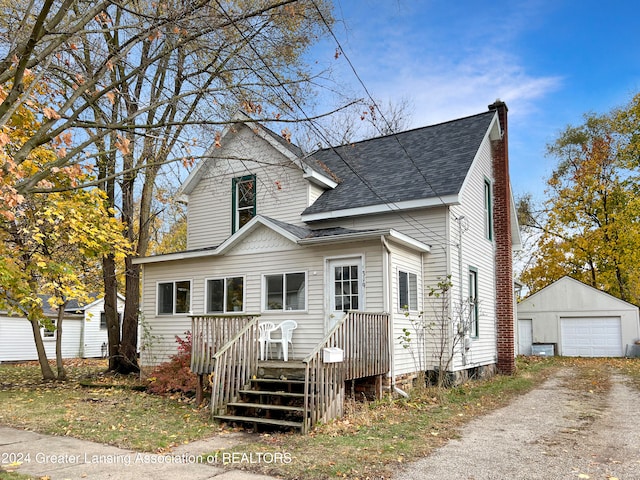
[[444, 91]]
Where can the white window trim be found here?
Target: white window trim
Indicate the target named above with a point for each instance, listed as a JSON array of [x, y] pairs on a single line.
[[160, 282], [283, 274], [487, 207], [408, 271], [475, 319], [224, 306]]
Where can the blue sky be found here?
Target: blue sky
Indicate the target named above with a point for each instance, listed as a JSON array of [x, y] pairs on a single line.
[[550, 61]]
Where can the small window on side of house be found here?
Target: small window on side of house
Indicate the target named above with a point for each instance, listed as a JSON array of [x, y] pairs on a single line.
[[473, 302], [174, 297], [488, 210], [407, 291]]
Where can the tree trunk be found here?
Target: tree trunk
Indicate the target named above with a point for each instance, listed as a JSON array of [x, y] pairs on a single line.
[[45, 368], [111, 309], [62, 375], [128, 362]]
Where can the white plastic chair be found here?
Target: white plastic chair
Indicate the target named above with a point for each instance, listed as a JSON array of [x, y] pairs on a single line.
[[264, 337], [286, 337]]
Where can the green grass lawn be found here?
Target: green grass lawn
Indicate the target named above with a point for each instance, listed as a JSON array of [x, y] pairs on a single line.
[[118, 416], [372, 440]]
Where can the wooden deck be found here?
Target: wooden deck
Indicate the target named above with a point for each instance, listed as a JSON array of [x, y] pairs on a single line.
[[226, 347]]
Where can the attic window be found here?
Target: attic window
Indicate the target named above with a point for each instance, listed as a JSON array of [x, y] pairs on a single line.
[[244, 201]]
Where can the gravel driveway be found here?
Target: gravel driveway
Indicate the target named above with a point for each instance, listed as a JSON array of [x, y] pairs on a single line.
[[550, 433]]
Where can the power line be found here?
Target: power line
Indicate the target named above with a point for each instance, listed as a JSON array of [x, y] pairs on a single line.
[[393, 133], [434, 235]]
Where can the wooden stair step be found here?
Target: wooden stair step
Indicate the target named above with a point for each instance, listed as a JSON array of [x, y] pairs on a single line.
[[266, 406], [277, 380], [272, 392], [266, 421]]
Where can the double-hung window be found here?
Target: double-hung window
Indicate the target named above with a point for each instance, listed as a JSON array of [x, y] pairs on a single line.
[[473, 302], [244, 201], [488, 210], [407, 291], [225, 295], [174, 297], [285, 291]]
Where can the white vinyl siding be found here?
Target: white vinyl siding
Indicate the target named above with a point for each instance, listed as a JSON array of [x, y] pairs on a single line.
[[94, 334], [17, 343], [476, 252], [281, 192], [244, 262]]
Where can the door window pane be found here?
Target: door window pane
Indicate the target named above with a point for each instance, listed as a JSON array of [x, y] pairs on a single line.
[[346, 288]]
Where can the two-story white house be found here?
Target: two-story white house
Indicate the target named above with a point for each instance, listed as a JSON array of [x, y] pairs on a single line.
[[369, 226]]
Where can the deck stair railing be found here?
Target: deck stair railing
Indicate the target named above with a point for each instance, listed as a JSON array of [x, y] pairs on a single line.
[[233, 366], [226, 347], [364, 340]]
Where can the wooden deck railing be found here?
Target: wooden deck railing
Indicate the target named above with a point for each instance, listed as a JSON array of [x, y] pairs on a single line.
[[233, 366], [364, 339], [209, 333]]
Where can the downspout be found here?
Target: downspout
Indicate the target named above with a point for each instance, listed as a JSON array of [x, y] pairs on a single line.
[[387, 272]]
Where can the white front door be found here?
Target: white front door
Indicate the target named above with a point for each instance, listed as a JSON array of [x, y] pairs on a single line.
[[345, 287], [525, 336]]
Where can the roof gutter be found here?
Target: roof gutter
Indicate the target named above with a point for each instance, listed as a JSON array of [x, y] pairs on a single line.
[[441, 201], [368, 235]]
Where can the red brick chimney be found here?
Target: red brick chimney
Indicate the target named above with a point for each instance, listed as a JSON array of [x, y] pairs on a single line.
[[502, 235]]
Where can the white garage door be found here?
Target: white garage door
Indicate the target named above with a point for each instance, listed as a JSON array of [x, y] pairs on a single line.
[[591, 337]]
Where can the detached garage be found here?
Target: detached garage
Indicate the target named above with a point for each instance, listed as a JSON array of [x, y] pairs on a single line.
[[575, 320]]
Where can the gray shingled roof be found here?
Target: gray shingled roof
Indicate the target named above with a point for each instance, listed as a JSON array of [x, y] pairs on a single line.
[[304, 232], [441, 153]]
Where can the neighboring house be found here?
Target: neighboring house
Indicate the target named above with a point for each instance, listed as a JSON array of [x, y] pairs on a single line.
[[84, 333], [573, 319], [368, 226]]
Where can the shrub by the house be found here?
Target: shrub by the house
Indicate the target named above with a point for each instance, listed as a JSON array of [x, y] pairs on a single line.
[[175, 376]]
